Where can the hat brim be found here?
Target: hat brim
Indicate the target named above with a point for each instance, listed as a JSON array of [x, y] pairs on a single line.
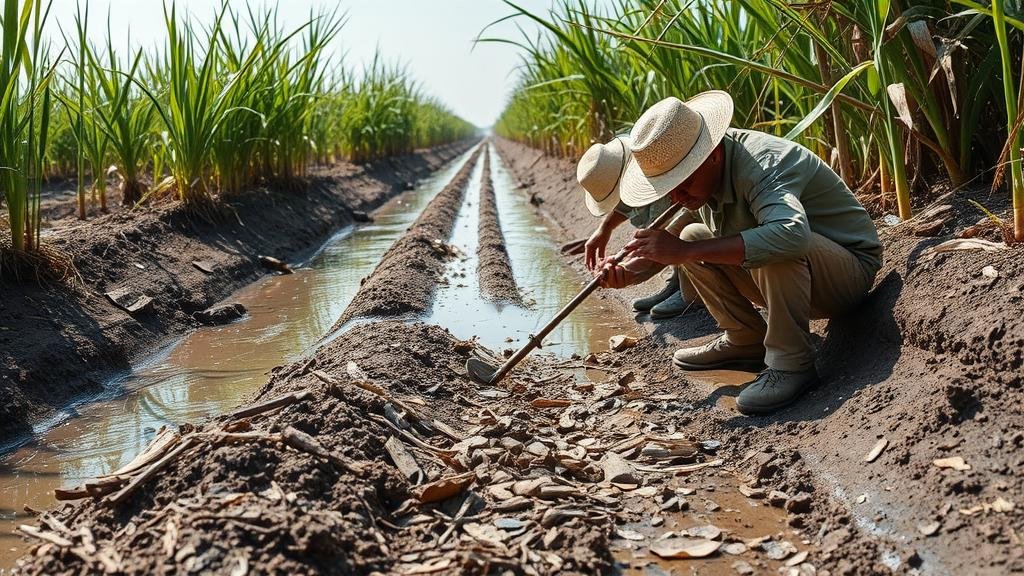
[[602, 207], [638, 189]]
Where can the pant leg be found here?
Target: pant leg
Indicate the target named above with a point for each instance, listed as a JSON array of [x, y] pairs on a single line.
[[829, 280], [727, 292]]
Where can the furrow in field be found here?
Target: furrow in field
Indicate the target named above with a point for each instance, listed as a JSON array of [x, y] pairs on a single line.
[[497, 283], [409, 271]]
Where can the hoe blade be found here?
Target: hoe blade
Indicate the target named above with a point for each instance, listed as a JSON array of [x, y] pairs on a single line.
[[480, 371]]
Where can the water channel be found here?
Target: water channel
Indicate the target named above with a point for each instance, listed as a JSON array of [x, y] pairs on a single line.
[[211, 370]]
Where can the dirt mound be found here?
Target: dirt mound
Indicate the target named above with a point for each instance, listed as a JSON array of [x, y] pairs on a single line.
[[58, 343], [409, 271], [309, 488], [497, 283], [929, 367], [378, 454]]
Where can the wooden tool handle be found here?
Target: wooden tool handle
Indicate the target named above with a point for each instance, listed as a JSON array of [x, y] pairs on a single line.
[[535, 340]]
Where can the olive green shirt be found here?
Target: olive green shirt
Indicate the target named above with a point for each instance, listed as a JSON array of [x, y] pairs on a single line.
[[775, 192]]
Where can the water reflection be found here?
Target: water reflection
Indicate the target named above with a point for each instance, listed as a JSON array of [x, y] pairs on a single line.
[[541, 273]]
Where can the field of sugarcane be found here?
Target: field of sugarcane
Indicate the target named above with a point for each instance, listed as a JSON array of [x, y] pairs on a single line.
[[213, 110], [896, 95]]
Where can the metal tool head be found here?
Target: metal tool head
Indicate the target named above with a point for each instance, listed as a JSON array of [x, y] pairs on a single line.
[[480, 371]]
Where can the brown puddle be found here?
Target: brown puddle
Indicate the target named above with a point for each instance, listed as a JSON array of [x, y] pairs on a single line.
[[212, 370], [715, 501]]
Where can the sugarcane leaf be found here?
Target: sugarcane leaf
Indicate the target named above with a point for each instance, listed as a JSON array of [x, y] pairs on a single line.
[[827, 100]]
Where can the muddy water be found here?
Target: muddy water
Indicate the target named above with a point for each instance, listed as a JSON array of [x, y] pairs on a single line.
[[212, 370], [541, 274]]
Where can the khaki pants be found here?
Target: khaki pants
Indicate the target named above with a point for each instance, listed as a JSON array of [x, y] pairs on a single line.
[[828, 281]]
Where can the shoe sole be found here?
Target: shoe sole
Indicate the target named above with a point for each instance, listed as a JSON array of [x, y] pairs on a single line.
[[762, 410], [744, 365], [663, 316]]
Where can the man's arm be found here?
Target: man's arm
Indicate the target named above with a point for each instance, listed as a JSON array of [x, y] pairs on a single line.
[[594, 249], [666, 249]]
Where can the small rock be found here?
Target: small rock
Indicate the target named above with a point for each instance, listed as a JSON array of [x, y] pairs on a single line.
[[777, 498], [741, 567], [799, 504], [218, 315], [360, 216], [928, 529], [621, 342]]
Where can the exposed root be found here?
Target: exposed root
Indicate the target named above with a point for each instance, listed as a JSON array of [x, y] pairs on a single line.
[[46, 264]]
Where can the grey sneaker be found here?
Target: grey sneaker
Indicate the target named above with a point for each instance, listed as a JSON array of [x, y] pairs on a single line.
[[646, 303], [774, 389], [720, 354], [670, 307]]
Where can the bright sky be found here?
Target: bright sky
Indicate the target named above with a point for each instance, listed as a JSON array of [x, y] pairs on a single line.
[[433, 37]]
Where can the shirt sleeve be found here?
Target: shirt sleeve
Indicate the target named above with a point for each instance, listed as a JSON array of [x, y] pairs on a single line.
[[782, 231]]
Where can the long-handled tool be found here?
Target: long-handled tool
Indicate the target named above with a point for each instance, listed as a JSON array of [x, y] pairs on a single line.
[[485, 373]]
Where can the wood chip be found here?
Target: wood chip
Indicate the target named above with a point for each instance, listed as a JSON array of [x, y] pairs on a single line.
[[628, 534], [684, 548], [404, 460], [550, 403], [44, 535], [928, 529], [445, 488], [954, 462], [205, 266], [876, 450]]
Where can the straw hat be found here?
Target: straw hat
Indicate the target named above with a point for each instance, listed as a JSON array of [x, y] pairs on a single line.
[[599, 172], [670, 141]]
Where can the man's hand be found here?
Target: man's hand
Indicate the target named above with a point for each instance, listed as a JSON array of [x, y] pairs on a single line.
[[613, 275], [657, 246], [595, 247]]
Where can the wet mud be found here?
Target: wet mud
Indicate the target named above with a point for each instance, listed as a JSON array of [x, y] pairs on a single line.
[[494, 271], [407, 275], [69, 340]]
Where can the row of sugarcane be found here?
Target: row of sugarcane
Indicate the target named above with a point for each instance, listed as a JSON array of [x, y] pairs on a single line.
[[217, 108], [891, 92]]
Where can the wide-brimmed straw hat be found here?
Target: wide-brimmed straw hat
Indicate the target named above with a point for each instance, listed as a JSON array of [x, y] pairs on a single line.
[[599, 172], [669, 141]]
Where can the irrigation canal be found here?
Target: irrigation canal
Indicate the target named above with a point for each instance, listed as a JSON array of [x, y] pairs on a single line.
[[212, 370]]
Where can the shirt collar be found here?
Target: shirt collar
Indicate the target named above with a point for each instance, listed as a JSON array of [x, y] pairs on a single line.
[[725, 193]]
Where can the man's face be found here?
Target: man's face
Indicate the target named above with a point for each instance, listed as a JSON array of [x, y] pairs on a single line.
[[695, 191]]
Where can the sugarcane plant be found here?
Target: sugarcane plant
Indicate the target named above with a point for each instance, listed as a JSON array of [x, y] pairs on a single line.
[[25, 97]]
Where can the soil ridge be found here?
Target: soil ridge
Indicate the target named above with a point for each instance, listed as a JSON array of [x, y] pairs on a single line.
[[405, 279], [494, 271]]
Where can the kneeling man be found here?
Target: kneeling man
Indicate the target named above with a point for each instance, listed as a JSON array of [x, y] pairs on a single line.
[[779, 229]]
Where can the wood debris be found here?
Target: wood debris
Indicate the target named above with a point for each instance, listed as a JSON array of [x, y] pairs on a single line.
[[444, 488], [876, 450], [404, 460], [684, 547], [954, 462]]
